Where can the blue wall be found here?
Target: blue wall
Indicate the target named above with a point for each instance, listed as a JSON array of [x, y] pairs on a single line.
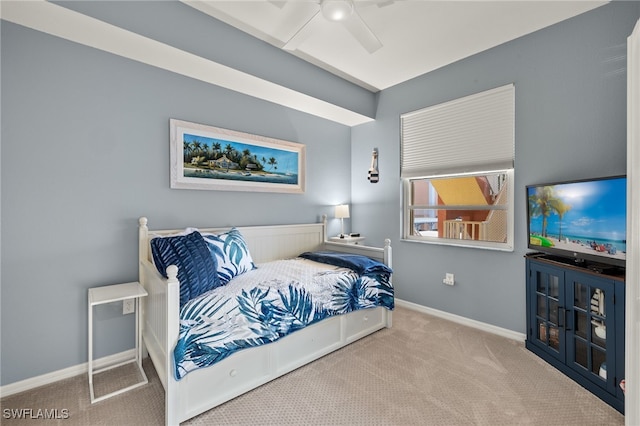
[[570, 82], [85, 152]]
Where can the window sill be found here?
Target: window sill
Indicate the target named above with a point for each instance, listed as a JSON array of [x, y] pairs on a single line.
[[483, 245]]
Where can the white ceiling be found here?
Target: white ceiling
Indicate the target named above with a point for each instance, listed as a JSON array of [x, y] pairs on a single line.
[[417, 36]]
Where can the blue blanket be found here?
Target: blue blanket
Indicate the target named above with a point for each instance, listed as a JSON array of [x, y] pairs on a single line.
[[360, 264], [269, 302]]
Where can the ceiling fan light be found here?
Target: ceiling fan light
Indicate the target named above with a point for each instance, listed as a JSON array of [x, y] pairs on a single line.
[[336, 10]]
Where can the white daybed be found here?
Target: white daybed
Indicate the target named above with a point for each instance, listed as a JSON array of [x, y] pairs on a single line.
[[209, 387]]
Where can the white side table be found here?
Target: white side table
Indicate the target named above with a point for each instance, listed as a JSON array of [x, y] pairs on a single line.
[[347, 240], [108, 294]]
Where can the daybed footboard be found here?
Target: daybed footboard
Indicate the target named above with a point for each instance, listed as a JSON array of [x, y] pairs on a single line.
[[244, 370]]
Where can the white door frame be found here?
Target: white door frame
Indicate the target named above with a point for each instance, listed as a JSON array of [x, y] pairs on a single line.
[[632, 308]]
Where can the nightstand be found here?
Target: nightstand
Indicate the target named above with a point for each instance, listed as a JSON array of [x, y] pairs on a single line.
[[347, 240], [108, 294]]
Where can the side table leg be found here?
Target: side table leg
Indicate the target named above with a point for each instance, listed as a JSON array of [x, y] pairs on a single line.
[[90, 351]]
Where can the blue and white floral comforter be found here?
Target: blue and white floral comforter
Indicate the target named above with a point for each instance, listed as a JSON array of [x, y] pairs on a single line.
[[267, 303]]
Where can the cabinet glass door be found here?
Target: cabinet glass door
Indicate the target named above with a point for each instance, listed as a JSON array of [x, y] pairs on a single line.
[[549, 313], [590, 342]]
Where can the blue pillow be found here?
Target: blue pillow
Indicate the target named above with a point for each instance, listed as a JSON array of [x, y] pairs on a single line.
[[231, 253], [197, 269]]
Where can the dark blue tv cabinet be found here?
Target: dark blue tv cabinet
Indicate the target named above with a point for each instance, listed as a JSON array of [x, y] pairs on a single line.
[[575, 321]]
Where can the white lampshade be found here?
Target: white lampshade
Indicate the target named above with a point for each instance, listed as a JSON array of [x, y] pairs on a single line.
[[342, 211], [336, 10]]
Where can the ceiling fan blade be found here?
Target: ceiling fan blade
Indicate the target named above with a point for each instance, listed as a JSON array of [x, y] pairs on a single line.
[[359, 29], [302, 34], [385, 3]]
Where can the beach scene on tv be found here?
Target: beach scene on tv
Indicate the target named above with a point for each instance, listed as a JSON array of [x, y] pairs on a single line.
[[587, 217], [212, 158]]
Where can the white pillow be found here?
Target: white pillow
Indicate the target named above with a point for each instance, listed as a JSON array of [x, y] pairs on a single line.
[[231, 254]]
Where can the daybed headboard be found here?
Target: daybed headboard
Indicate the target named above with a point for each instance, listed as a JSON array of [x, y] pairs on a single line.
[[268, 243], [265, 243], [273, 242]]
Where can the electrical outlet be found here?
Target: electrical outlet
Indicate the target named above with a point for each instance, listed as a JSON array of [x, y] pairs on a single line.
[[449, 279], [128, 306]]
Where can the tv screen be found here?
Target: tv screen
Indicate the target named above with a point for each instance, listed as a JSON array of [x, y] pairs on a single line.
[[584, 220]]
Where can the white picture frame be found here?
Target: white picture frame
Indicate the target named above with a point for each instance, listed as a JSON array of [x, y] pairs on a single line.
[[211, 158]]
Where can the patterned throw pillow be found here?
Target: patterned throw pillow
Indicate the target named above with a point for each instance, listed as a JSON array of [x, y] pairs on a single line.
[[231, 253], [197, 270]]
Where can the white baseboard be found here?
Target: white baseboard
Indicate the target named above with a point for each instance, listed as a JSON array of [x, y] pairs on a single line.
[[55, 376], [521, 337], [65, 373]]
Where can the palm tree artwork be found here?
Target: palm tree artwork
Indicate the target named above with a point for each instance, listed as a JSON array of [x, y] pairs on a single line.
[[272, 162], [205, 157]]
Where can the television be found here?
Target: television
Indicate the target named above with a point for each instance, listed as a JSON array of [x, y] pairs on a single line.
[[581, 220]]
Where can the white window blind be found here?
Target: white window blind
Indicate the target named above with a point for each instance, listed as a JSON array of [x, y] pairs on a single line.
[[470, 134]]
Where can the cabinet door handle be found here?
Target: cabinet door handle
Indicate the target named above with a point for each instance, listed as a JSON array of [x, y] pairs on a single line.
[[562, 317]]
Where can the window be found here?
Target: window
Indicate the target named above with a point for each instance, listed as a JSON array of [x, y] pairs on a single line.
[[471, 210], [457, 171]]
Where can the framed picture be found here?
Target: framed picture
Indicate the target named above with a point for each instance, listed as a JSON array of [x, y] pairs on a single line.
[[205, 157]]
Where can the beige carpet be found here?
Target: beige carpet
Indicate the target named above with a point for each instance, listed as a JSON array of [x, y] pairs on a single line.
[[423, 371]]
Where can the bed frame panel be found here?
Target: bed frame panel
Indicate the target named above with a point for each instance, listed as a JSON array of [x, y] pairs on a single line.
[[209, 387]]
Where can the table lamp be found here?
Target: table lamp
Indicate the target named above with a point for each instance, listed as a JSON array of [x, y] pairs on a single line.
[[342, 212]]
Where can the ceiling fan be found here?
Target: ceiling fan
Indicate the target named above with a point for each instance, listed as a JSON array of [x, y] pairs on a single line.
[[343, 12]]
